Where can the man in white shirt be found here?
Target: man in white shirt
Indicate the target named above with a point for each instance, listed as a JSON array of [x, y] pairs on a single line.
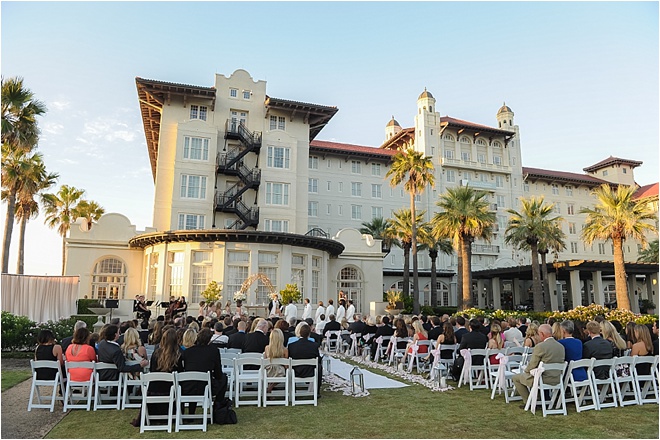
[[320, 311], [218, 338], [307, 311], [350, 313], [513, 334], [331, 308], [290, 311], [341, 311]]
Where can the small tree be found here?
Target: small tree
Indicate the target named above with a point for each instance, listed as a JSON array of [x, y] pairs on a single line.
[[290, 292], [212, 292]]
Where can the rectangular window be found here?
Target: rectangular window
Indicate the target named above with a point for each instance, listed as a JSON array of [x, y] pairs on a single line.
[[201, 274], [356, 189], [328, 185], [153, 275], [356, 212], [604, 173], [193, 187], [198, 112], [601, 248], [313, 185], [233, 93], [375, 169], [328, 209], [555, 189], [500, 202], [313, 209], [569, 190], [481, 158], [571, 228], [340, 210], [191, 221], [277, 123], [574, 247], [449, 154], [451, 176], [268, 263], [499, 181], [313, 162], [277, 193], [570, 209], [238, 268], [195, 148], [276, 225], [497, 160], [356, 167], [376, 212], [316, 279], [465, 155], [340, 187], [278, 157], [246, 94], [526, 187], [376, 191], [175, 266]]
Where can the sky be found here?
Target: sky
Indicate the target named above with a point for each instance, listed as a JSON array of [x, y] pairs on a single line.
[[581, 78]]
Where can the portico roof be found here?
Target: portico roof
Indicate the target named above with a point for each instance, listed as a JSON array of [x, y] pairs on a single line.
[[560, 176], [317, 116]]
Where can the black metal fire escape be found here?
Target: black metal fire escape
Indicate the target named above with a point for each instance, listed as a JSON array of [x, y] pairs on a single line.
[[231, 163]]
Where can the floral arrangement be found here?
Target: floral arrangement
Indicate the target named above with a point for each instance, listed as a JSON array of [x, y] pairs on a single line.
[[240, 296], [290, 292], [394, 297], [212, 292]]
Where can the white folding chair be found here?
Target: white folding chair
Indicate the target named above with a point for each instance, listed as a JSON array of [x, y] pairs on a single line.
[[276, 397], [417, 358], [502, 378], [381, 348], [233, 350], [492, 368], [131, 383], [354, 347], [604, 388], [446, 348], [304, 390], [145, 417], [343, 345], [580, 390], [57, 383], [79, 390], [104, 389], [246, 378], [227, 363], [625, 385], [332, 344], [646, 384], [204, 400], [476, 373], [556, 404], [398, 347], [514, 350]]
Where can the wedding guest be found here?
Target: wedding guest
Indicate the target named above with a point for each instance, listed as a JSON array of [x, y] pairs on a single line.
[[572, 348], [275, 350], [532, 336], [48, 350], [80, 351]]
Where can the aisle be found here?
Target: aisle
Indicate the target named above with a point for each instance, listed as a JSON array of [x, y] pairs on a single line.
[[371, 380]]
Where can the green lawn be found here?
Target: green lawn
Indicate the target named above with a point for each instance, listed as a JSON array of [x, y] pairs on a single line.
[[411, 412], [14, 377]]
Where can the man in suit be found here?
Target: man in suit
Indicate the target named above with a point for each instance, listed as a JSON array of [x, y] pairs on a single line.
[[110, 352], [523, 326], [460, 329], [384, 330], [598, 348], [549, 351], [236, 340], [436, 329], [356, 326], [256, 341], [474, 339], [204, 357], [303, 348]]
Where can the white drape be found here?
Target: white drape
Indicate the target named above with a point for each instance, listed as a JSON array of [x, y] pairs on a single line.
[[40, 298]]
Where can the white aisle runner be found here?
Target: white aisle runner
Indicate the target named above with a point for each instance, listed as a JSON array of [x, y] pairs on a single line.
[[371, 380]]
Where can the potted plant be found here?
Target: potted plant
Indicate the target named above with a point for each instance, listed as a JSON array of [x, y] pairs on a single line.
[[212, 293], [290, 293], [394, 302], [646, 306]]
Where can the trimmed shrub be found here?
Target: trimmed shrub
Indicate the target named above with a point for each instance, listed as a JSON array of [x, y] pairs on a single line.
[[18, 332]]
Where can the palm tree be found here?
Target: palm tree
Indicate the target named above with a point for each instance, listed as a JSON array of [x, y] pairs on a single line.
[[90, 211], [61, 212], [417, 171], [617, 217], [465, 216], [650, 253], [525, 230], [400, 232], [35, 180], [19, 112], [552, 241], [376, 228], [435, 245]]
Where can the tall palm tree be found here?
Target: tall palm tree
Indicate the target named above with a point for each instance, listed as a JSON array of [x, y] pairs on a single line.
[[650, 253], [552, 241], [617, 217], [526, 229], [435, 245], [417, 172], [61, 212], [464, 216], [19, 112], [376, 228], [400, 231], [90, 211], [35, 180]]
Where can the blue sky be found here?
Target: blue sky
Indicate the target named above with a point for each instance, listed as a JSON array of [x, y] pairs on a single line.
[[582, 78]]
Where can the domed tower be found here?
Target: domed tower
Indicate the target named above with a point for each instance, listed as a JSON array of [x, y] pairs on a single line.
[[505, 117], [392, 128], [427, 125]]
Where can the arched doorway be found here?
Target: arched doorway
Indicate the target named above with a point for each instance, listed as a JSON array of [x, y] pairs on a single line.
[[109, 279], [350, 281]]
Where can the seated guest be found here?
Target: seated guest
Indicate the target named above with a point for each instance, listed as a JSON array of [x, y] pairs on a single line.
[[132, 347], [419, 335], [275, 350], [236, 340], [144, 332], [642, 347], [256, 341], [460, 329], [320, 324], [609, 333], [496, 342], [549, 351], [80, 351], [318, 338], [572, 348], [384, 330], [532, 336], [157, 333], [283, 326], [48, 350], [474, 339], [369, 328], [66, 341], [332, 326], [306, 349], [188, 339], [654, 332], [356, 326], [630, 335], [219, 339], [522, 325], [512, 334], [436, 328], [109, 351], [556, 331], [598, 348], [203, 356], [229, 328]]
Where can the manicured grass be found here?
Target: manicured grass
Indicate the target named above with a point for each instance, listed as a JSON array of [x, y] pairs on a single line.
[[14, 377], [410, 412]]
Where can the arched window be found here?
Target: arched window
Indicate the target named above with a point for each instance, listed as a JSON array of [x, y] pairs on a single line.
[[350, 281], [442, 291], [398, 286], [497, 144], [109, 279], [448, 137], [465, 140], [481, 142]]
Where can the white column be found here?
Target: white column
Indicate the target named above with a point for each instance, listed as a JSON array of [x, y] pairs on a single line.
[[516, 292], [634, 299], [497, 300], [575, 286], [481, 293], [554, 294], [652, 288], [597, 280]]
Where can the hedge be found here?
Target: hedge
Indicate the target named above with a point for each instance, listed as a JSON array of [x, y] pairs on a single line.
[[20, 333]]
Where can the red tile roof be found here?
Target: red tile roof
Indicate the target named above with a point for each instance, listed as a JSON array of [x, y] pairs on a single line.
[[455, 121], [350, 148], [611, 161], [646, 191], [561, 175]]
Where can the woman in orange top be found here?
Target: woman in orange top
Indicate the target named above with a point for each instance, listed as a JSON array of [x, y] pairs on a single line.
[[80, 351]]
